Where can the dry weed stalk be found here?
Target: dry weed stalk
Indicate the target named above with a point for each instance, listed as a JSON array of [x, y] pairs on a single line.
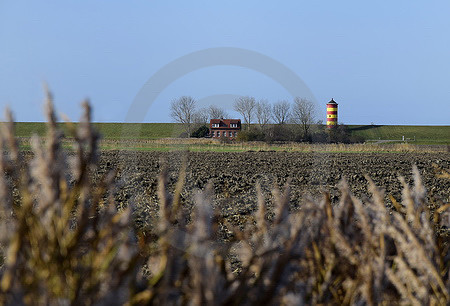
[[64, 242]]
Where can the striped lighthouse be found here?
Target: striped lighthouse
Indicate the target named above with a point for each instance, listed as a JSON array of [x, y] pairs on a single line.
[[332, 110]]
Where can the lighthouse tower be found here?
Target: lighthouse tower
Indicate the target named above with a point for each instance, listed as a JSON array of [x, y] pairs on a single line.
[[332, 117]]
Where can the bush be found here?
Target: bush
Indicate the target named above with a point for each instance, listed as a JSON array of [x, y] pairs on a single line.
[[319, 137], [279, 132], [342, 134], [252, 135], [201, 132], [283, 132], [225, 140]]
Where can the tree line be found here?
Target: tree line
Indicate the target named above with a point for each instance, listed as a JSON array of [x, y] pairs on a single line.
[[263, 121]]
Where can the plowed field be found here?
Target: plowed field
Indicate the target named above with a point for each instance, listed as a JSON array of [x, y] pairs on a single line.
[[234, 175]]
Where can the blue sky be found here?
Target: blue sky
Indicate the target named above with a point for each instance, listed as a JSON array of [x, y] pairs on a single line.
[[384, 62]]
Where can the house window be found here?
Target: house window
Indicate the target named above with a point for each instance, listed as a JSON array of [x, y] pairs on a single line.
[[215, 125], [212, 133], [234, 125], [224, 134], [235, 134], [218, 133], [230, 134]]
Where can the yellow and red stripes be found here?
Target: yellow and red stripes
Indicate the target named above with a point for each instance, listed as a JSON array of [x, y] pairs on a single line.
[[331, 115]]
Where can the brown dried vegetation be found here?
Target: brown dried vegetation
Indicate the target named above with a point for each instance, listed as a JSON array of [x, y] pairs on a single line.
[[63, 241]]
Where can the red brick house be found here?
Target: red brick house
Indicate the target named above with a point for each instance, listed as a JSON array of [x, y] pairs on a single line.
[[224, 128]]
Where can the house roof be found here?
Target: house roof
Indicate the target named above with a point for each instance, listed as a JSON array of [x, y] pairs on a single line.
[[225, 124], [226, 121]]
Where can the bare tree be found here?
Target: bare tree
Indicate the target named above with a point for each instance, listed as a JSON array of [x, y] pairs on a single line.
[[281, 111], [216, 112], [182, 110], [304, 113], [201, 116], [246, 107], [263, 113]]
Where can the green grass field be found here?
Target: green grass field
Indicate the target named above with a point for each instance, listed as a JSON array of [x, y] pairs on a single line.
[[427, 135], [112, 130], [421, 134]]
